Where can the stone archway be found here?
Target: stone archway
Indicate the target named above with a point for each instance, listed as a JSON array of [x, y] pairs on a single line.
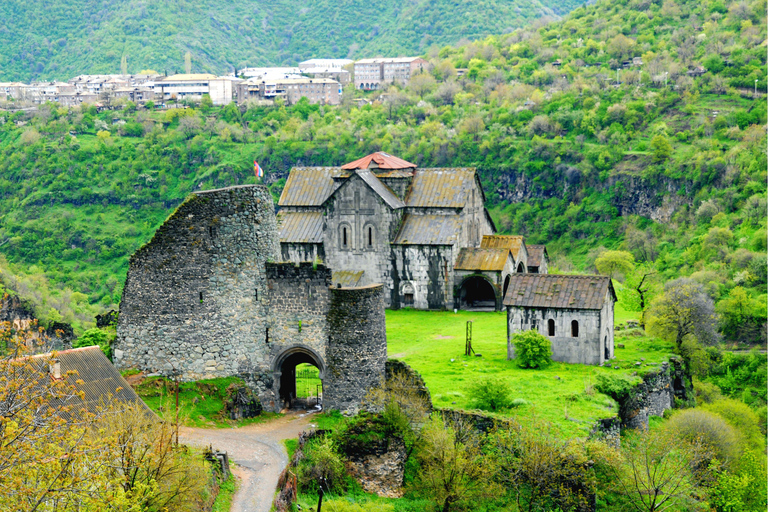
[[284, 371], [506, 286], [477, 293]]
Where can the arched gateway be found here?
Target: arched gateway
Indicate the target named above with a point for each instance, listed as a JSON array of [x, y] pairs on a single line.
[[204, 298]]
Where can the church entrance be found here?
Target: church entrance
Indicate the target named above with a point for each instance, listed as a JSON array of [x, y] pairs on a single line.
[[477, 294], [300, 374]]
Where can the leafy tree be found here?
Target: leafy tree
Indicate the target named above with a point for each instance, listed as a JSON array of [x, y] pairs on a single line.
[[454, 470], [661, 148], [741, 317], [684, 311], [640, 287], [532, 349], [94, 337], [611, 263]]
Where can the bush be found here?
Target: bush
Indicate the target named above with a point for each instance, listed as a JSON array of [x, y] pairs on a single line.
[[321, 461], [740, 416], [618, 388], [94, 337], [706, 392], [720, 440], [532, 349], [491, 394]]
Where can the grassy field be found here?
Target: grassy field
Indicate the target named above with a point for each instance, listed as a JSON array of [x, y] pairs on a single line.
[[433, 343]]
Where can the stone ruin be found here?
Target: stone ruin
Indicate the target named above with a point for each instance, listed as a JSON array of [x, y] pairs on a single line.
[[206, 298]]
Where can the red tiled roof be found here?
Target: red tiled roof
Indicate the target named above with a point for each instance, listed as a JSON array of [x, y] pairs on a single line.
[[382, 161]]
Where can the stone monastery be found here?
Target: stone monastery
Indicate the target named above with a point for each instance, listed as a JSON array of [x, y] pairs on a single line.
[[423, 233], [227, 287]]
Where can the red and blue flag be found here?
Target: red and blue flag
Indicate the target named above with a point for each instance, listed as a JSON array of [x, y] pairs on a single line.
[[258, 170]]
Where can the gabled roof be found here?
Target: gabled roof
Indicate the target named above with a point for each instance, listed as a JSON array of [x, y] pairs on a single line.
[[441, 188], [472, 258], [378, 160], [300, 227], [96, 378], [380, 188], [309, 186], [509, 242], [558, 291], [536, 254], [428, 230]]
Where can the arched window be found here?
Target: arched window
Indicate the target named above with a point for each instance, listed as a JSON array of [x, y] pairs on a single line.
[[345, 237], [575, 328], [370, 237], [551, 327], [520, 268]]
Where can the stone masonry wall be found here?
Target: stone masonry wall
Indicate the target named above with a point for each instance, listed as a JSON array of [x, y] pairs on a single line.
[[656, 394], [427, 271], [194, 298], [357, 346]]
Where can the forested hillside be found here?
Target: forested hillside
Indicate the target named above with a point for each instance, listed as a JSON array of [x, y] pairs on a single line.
[[60, 39], [668, 167]]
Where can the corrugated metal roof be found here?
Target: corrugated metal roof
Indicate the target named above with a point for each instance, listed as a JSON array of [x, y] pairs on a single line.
[[378, 160], [446, 188], [428, 230], [536, 254], [300, 227], [471, 258], [380, 188], [558, 291], [96, 377], [309, 186], [347, 278], [511, 243]]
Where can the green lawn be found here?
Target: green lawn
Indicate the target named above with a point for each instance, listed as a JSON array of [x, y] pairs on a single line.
[[433, 342]]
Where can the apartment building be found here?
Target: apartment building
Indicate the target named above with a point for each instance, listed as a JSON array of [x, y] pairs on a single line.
[[324, 91], [371, 74], [194, 86]]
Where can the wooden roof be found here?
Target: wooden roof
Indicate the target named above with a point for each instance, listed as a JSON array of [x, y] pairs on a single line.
[[558, 291], [472, 258], [428, 230], [300, 227]]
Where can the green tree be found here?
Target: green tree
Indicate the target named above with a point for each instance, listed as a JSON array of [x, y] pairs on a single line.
[[532, 349], [206, 103], [95, 337], [640, 287], [741, 316], [612, 263], [684, 311], [661, 148]]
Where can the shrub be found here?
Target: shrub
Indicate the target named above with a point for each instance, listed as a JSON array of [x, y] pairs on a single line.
[[706, 392], [491, 394], [321, 461], [94, 337], [720, 440], [740, 416], [532, 349]]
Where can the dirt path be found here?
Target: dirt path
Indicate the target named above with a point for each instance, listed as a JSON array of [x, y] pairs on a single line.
[[258, 452]]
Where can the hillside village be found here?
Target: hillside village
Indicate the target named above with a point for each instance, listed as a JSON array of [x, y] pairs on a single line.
[[525, 272], [319, 80]]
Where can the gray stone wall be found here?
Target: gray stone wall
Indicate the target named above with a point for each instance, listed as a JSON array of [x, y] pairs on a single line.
[[357, 208], [587, 348], [495, 277], [190, 298], [606, 328], [302, 252], [427, 270], [357, 346], [473, 220]]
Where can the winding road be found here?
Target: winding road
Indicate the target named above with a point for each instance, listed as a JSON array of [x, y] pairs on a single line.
[[258, 453]]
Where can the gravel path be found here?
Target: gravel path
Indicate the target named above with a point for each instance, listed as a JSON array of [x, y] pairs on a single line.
[[258, 453]]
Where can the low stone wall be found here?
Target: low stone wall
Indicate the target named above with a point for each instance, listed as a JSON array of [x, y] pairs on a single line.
[[607, 430], [656, 394]]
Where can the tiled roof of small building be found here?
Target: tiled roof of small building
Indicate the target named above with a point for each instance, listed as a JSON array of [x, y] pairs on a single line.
[[309, 186], [96, 377], [441, 188], [300, 227], [511, 243], [472, 258], [428, 230], [378, 160], [536, 254], [558, 291]]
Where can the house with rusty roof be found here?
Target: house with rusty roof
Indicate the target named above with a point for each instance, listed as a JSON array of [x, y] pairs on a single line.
[[398, 224], [574, 312]]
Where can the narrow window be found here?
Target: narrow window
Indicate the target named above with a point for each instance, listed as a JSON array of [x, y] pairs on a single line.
[[212, 232], [256, 294], [201, 297], [551, 327], [266, 337], [575, 328], [370, 236], [344, 237]]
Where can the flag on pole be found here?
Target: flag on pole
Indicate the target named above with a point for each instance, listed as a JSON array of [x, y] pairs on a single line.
[[258, 170]]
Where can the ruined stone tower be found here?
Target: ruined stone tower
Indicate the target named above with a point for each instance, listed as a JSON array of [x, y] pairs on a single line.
[[205, 299]]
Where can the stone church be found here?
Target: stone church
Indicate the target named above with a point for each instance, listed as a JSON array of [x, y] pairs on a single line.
[[423, 233]]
